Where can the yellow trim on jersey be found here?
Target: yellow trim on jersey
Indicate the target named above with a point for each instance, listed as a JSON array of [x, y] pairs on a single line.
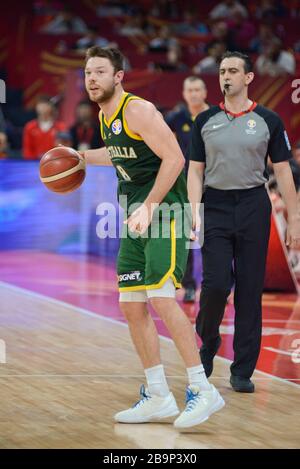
[[170, 272], [101, 125], [126, 129], [108, 124], [177, 284], [137, 288]]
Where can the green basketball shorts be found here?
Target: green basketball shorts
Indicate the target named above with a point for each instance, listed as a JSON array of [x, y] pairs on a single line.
[[145, 263]]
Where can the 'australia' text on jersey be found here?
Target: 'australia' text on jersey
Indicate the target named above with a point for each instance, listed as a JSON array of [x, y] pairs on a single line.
[[121, 152]]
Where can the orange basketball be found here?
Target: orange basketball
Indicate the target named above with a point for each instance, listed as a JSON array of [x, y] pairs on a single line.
[[62, 169]]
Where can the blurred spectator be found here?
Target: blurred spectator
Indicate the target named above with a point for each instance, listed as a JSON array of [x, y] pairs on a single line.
[[85, 133], [113, 8], [270, 9], [63, 138], [242, 30], [226, 9], [3, 137], [181, 119], [163, 41], [65, 22], [211, 63], [297, 46], [165, 9], [221, 32], [44, 11], [264, 37], [275, 61], [91, 39], [173, 62], [39, 134], [137, 25], [190, 25]]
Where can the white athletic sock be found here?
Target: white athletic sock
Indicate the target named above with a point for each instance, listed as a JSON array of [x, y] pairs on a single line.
[[196, 375], [156, 381]]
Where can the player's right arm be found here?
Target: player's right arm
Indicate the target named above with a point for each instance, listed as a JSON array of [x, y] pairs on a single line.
[[195, 190], [196, 170], [98, 157]]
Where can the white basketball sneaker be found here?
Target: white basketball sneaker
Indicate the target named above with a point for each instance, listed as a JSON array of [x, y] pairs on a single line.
[[199, 406], [149, 409]]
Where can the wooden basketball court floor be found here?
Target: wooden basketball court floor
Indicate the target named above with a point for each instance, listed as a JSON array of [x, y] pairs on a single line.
[[69, 365]]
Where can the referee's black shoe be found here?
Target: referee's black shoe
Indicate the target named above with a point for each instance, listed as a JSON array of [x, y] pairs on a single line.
[[207, 357], [240, 384]]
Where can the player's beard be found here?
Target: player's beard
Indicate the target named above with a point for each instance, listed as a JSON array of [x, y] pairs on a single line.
[[106, 94]]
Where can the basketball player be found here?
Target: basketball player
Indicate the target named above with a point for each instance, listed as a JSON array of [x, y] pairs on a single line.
[[149, 166]]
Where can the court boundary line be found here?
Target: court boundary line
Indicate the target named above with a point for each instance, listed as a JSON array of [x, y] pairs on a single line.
[[86, 312]]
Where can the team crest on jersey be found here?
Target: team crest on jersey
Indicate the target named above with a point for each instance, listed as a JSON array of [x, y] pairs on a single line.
[[116, 127], [251, 126]]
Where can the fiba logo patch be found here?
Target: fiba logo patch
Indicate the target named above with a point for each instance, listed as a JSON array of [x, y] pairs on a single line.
[[116, 127], [251, 126]]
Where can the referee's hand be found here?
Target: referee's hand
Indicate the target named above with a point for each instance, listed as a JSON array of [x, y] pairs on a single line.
[[196, 225], [293, 233]]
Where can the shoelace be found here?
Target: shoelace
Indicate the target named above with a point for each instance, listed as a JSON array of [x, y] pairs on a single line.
[[144, 397], [191, 399]]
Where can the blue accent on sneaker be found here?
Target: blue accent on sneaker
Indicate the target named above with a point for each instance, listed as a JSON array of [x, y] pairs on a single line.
[[144, 396], [191, 399]]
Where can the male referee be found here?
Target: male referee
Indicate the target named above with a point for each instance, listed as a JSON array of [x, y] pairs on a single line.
[[181, 121], [229, 147]]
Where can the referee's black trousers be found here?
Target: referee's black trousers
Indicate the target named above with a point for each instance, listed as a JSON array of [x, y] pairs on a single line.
[[236, 235]]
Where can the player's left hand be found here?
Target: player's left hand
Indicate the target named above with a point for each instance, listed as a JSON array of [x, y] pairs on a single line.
[[141, 218], [293, 234]]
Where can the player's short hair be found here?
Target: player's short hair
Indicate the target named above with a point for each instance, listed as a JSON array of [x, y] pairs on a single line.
[[248, 65], [193, 78], [115, 56]]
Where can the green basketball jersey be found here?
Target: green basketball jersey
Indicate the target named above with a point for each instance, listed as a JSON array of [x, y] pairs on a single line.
[[135, 163]]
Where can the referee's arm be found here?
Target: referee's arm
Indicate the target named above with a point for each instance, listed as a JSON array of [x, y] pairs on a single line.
[[196, 156], [279, 151], [287, 189]]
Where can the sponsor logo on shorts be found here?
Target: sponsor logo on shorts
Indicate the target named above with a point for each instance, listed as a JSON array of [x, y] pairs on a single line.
[[130, 276]]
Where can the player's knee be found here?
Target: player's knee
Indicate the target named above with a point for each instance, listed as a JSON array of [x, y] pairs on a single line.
[[133, 311], [162, 305]]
